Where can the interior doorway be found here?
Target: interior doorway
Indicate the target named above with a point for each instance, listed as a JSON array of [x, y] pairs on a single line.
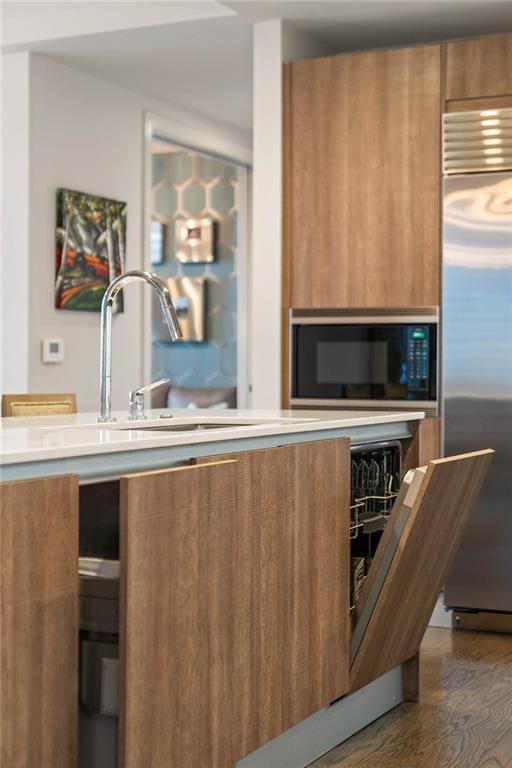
[[196, 241]]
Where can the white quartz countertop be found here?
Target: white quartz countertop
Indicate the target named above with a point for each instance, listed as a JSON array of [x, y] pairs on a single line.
[[43, 438]]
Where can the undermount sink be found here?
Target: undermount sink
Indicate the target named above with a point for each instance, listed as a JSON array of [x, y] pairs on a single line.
[[187, 427], [176, 423]]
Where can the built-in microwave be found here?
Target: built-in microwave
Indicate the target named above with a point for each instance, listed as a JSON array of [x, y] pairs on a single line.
[[354, 360]]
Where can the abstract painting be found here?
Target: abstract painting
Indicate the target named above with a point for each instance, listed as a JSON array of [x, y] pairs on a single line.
[[90, 249]]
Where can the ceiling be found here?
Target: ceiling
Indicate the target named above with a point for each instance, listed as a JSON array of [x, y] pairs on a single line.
[[357, 24], [202, 66], [203, 62], [51, 19]]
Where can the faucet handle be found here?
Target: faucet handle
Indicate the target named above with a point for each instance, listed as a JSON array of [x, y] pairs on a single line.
[[136, 399], [149, 387]]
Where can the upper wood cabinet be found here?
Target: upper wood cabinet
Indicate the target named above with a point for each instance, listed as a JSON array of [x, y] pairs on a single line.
[[234, 602], [362, 155], [478, 68]]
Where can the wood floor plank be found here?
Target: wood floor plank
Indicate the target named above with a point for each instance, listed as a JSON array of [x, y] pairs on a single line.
[[500, 756], [463, 719]]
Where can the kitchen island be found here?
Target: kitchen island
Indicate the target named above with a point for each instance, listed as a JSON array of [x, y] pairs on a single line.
[[232, 535], [42, 445]]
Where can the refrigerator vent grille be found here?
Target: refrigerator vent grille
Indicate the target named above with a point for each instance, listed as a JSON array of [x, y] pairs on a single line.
[[477, 141]]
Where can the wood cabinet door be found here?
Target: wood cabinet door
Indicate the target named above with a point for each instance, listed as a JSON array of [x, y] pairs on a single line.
[[234, 602], [411, 563], [362, 186], [479, 67], [39, 623], [424, 445]]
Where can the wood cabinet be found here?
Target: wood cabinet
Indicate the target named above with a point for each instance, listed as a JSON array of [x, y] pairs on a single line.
[[479, 68], [39, 623], [362, 155], [424, 445], [234, 602]]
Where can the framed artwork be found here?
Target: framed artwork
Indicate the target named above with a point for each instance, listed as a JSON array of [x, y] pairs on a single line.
[[157, 234], [90, 249], [194, 240]]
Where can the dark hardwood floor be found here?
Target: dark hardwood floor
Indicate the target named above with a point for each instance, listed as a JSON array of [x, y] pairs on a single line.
[[463, 719]]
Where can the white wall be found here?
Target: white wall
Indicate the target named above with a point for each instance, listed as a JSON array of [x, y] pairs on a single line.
[[265, 274], [274, 43], [14, 240], [85, 134], [25, 24]]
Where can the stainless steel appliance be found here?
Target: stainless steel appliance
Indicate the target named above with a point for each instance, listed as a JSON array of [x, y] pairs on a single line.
[[386, 359], [477, 355], [99, 651], [99, 624]]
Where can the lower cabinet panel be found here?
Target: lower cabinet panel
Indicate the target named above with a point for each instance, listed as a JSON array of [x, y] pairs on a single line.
[[234, 602], [424, 445], [39, 623], [403, 598]]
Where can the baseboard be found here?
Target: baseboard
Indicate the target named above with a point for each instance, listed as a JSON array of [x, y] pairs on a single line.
[[313, 737], [483, 621]]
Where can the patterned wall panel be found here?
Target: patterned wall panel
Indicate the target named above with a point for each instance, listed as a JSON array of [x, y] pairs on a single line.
[[186, 184]]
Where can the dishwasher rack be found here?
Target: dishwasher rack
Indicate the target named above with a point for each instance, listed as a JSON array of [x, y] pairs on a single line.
[[375, 481]]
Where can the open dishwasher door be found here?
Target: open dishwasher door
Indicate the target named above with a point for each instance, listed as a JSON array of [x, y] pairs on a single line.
[[411, 561]]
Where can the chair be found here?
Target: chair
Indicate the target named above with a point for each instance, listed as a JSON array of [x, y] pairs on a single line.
[[38, 405]]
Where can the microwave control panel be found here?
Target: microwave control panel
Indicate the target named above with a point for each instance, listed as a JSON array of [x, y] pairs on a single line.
[[418, 363]]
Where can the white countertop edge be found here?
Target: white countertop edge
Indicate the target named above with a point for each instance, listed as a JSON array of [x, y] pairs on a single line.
[[56, 437]]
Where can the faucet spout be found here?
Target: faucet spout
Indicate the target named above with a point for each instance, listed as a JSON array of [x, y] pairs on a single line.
[[107, 303]]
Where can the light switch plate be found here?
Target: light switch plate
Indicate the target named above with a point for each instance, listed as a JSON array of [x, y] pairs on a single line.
[[52, 350]]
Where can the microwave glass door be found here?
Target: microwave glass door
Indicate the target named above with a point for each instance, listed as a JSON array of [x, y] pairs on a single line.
[[365, 362]]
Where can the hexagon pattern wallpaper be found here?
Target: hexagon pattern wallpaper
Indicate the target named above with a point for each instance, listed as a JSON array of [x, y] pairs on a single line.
[[189, 184]]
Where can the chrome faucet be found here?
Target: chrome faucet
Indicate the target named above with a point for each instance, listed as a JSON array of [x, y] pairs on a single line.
[[136, 399], [113, 289]]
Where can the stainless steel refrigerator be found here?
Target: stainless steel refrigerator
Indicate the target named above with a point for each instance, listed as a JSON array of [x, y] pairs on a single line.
[[477, 383]]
